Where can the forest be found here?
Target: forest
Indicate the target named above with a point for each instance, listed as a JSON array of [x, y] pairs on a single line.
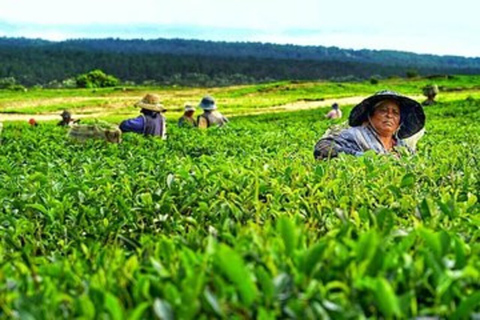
[[205, 63]]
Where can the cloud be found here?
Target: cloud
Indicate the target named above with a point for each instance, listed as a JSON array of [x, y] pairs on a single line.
[[419, 26], [249, 14]]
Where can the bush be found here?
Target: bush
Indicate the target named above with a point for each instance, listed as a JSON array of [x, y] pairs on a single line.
[[412, 73], [96, 79], [7, 83], [69, 83]]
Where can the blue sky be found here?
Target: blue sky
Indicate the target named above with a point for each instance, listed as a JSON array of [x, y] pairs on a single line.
[[446, 28]]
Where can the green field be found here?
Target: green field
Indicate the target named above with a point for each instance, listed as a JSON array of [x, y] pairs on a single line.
[[231, 100], [240, 222]]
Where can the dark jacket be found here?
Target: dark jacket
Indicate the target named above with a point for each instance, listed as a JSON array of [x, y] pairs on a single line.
[[153, 124]]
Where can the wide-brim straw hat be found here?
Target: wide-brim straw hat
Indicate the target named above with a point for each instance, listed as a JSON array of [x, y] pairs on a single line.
[[207, 103], [412, 117], [151, 102]]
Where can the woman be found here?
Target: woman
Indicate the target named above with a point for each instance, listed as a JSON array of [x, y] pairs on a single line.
[[187, 119], [152, 122], [378, 123], [335, 113]]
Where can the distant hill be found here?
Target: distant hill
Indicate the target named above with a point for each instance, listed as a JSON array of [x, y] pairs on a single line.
[[35, 61]]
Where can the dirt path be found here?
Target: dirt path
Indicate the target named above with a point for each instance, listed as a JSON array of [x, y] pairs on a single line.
[[42, 117], [303, 105], [62, 100], [298, 105]]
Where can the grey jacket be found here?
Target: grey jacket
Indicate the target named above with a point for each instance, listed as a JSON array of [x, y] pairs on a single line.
[[213, 118], [354, 140]]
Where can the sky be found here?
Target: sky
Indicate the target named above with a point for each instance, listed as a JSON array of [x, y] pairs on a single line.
[[421, 26]]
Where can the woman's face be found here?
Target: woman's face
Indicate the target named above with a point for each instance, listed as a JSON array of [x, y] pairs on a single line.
[[386, 118]]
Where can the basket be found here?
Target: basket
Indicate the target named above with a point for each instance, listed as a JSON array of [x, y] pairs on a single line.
[[107, 132]]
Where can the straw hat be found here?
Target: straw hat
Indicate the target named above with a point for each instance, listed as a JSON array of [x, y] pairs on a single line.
[[151, 102]]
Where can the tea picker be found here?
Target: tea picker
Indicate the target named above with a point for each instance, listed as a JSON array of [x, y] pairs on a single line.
[[430, 91], [335, 113], [187, 119], [210, 116], [380, 123], [151, 122], [67, 119]]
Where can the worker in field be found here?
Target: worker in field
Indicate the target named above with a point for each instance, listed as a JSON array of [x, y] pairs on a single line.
[[187, 119], [151, 122], [67, 119], [430, 91], [335, 113], [380, 123], [210, 116]]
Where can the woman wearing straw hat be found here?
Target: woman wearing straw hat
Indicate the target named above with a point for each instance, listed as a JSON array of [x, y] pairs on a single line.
[[379, 123], [151, 122], [210, 116], [187, 119]]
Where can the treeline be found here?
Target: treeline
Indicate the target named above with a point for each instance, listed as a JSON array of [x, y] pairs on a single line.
[[189, 62], [251, 49]]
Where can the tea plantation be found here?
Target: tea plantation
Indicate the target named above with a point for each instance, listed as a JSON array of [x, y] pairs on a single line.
[[241, 223]]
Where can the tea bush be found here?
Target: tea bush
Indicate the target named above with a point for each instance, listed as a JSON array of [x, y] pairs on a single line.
[[240, 222]]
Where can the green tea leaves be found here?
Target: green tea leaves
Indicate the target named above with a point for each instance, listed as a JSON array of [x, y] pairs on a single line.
[[287, 230], [234, 268]]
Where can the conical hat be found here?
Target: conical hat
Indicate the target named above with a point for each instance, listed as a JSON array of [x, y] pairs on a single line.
[[412, 117]]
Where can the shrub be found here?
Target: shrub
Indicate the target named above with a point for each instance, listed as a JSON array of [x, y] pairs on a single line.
[[7, 83], [96, 79], [412, 73]]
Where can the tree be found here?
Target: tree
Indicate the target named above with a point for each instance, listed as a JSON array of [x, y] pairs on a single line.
[[412, 73], [7, 83], [10, 83], [96, 79]]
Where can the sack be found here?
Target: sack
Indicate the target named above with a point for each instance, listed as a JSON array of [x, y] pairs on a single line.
[[412, 141], [334, 130], [104, 131]]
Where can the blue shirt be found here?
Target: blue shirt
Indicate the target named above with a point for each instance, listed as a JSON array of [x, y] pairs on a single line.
[[146, 125], [133, 125]]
